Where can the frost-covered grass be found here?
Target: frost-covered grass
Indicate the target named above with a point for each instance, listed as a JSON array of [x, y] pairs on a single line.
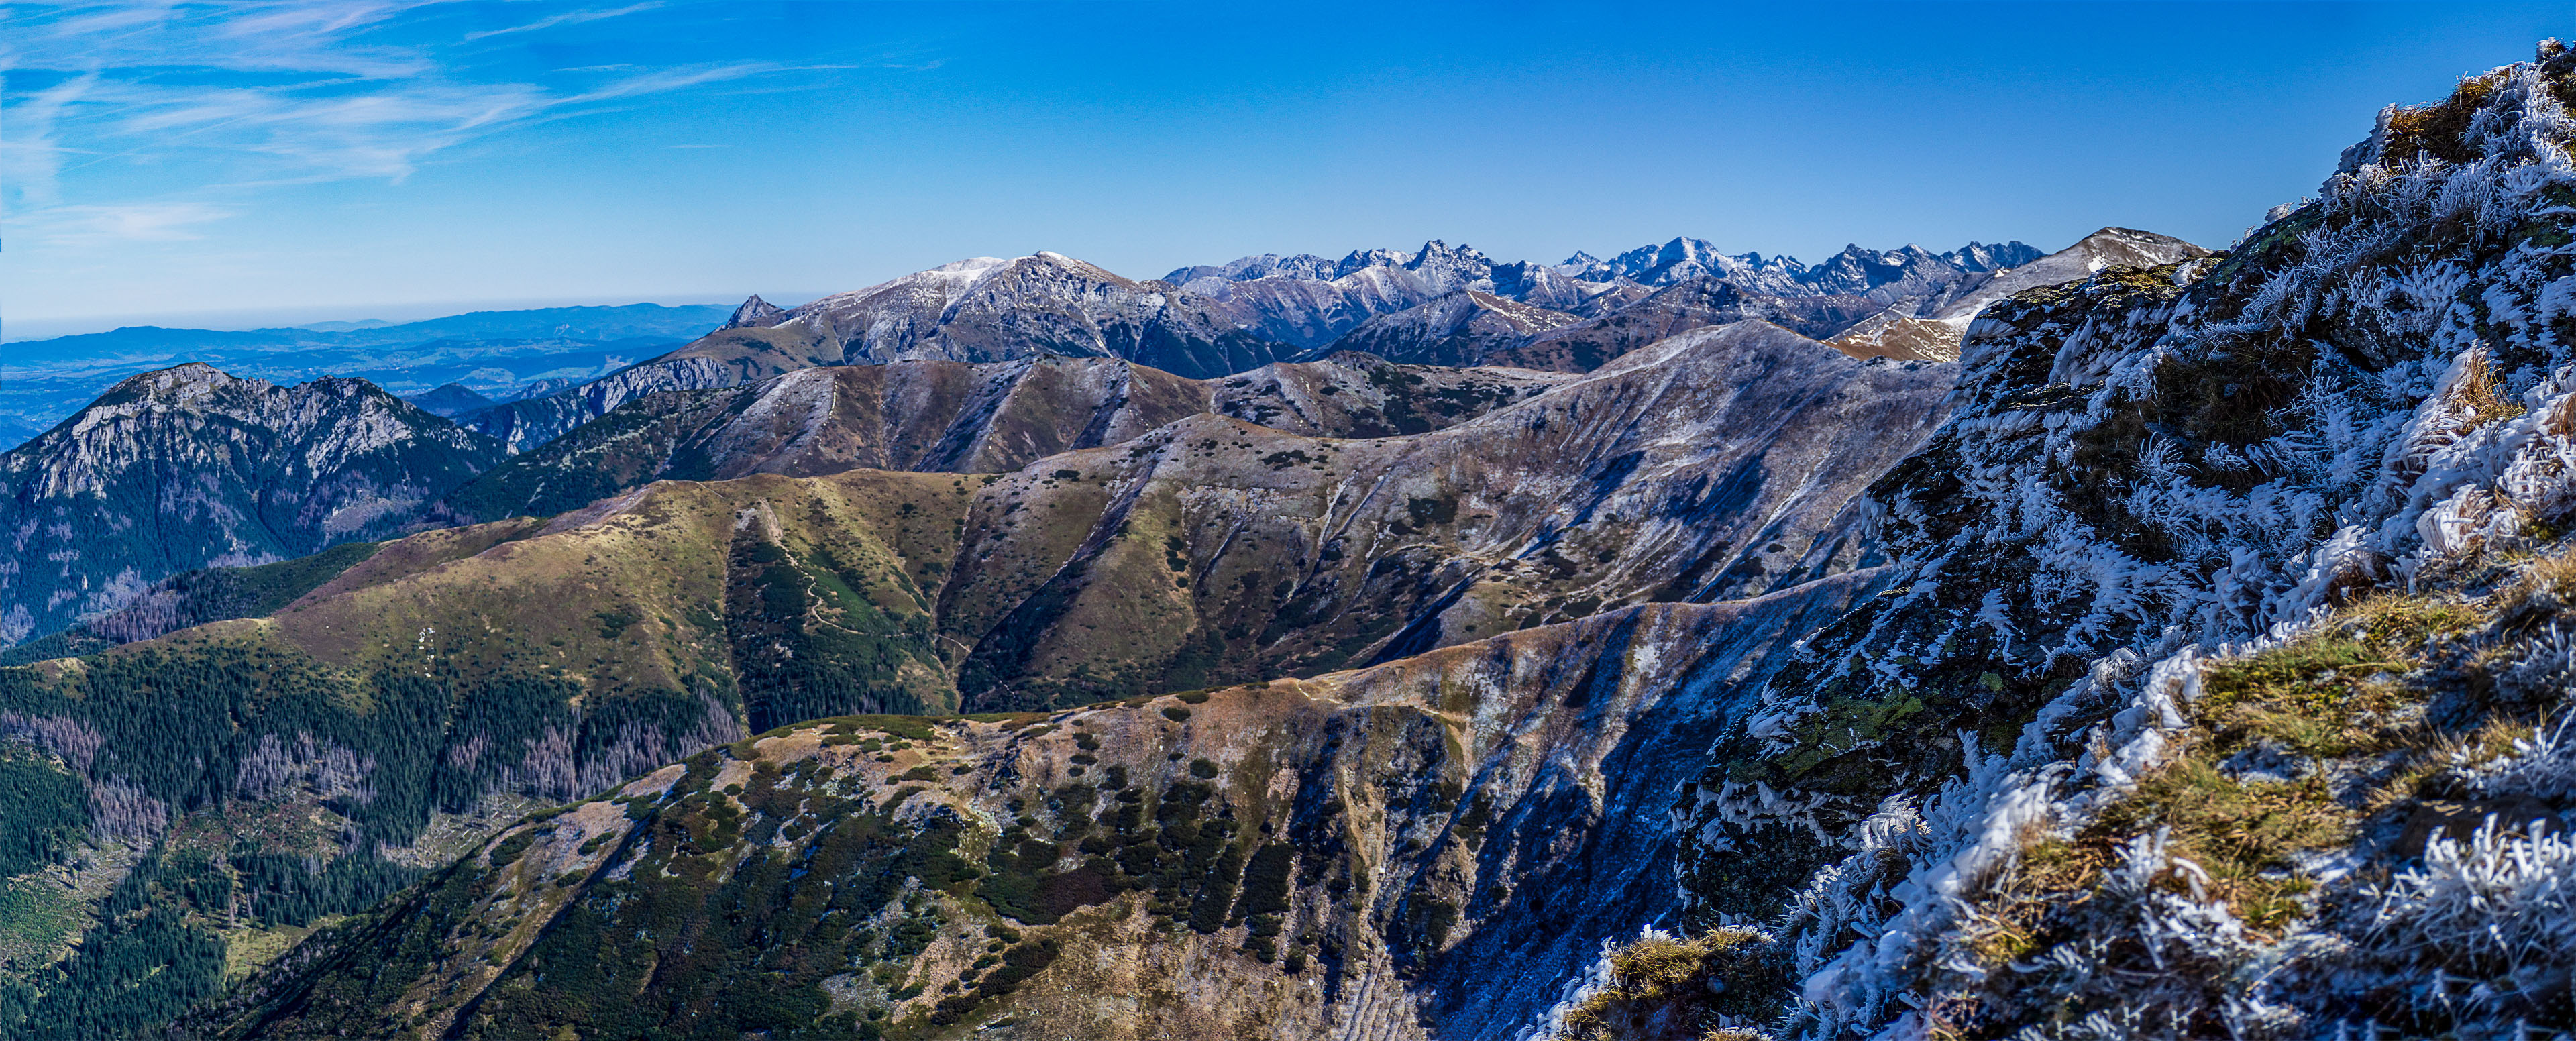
[[2268, 555]]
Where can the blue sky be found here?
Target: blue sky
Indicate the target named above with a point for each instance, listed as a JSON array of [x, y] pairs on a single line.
[[253, 162]]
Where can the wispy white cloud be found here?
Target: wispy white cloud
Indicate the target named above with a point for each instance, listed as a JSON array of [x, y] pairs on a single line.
[[212, 103], [566, 18], [312, 36], [663, 81], [286, 90], [32, 163], [78, 227]]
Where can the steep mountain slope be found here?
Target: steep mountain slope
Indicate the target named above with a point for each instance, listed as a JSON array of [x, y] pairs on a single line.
[[725, 358], [1350, 394], [1907, 304], [2240, 583], [1717, 464], [956, 417], [1438, 305], [498, 353], [979, 310], [1458, 328], [195, 597], [188, 467], [1264, 265], [222, 789], [1430, 848]]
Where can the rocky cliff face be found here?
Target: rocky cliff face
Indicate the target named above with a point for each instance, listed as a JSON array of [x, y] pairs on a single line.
[[187, 467]]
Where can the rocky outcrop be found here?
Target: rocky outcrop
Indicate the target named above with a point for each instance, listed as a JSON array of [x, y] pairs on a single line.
[[725, 358], [756, 313], [188, 467], [1355, 395]]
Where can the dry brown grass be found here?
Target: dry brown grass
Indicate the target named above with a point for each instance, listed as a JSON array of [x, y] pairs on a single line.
[[2440, 129], [1659, 989], [2478, 391], [2331, 695]]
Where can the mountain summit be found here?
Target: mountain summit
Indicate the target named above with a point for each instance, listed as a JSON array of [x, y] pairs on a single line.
[[188, 467]]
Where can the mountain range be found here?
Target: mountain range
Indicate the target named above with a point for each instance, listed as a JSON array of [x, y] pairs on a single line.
[[2132, 640], [952, 493], [1439, 305]]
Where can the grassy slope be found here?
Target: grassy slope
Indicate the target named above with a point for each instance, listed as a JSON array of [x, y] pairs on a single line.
[[1323, 854]]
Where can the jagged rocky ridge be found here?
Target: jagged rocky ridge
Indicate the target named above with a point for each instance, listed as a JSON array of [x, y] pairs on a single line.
[[1907, 303], [1854, 270], [188, 467]]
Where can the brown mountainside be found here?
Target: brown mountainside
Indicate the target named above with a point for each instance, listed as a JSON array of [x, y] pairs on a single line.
[[951, 416]]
